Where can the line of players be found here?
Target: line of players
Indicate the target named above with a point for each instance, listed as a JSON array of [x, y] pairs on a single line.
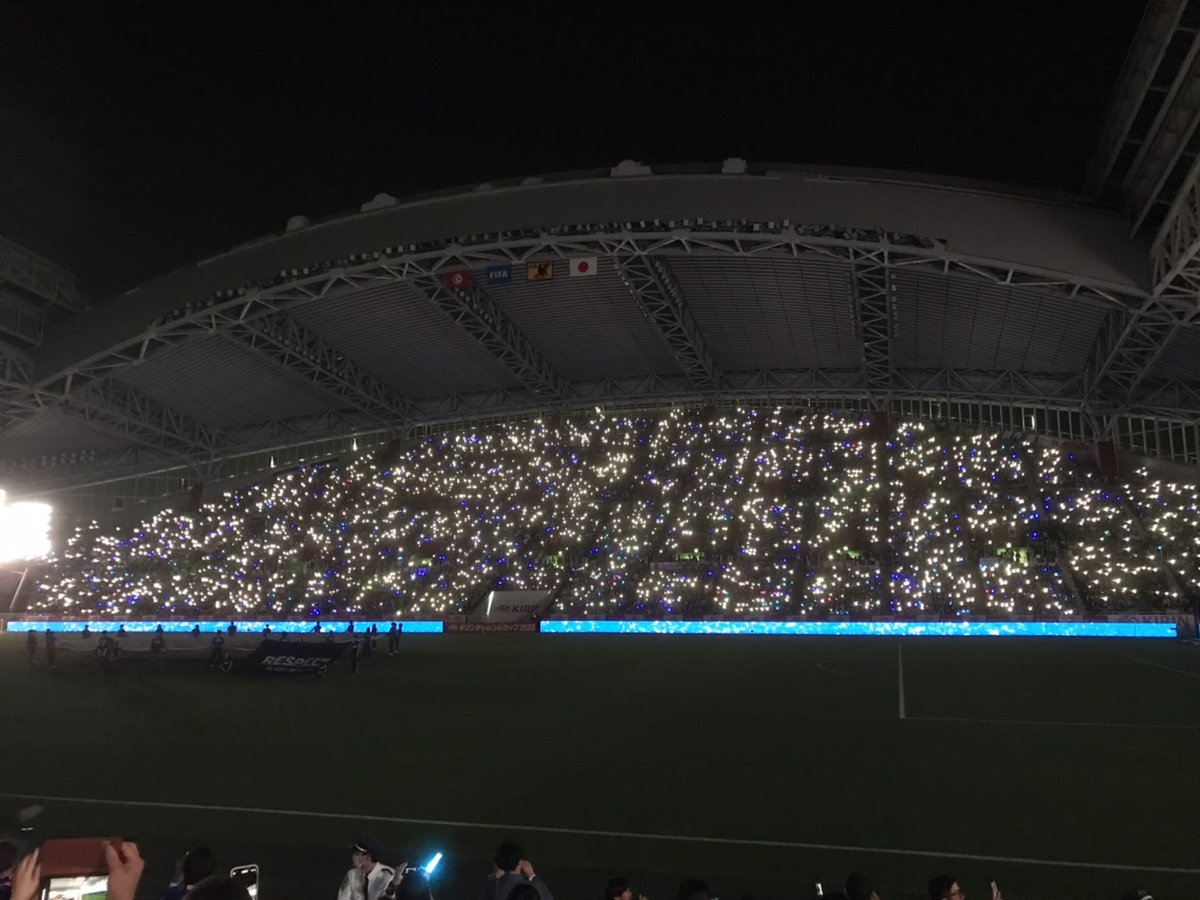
[[108, 649]]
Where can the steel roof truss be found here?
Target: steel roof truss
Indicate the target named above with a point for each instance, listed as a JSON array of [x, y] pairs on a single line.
[[284, 340], [117, 407], [1126, 351], [1174, 255], [479, 316], [244, 303], [1150, 44], [38, 277], [872, 293], [1168, 135], [661, 300]]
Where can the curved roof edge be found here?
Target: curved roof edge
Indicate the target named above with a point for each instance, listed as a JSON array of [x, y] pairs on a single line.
[[973, 222]]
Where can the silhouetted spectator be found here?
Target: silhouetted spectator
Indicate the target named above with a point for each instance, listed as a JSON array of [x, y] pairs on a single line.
[[192, 868], [620, 889], [219, 887], [9, 854], [859, 888], [513, 876], [945, 887]]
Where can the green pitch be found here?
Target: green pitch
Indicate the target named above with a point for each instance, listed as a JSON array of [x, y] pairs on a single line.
[[1037, 750]]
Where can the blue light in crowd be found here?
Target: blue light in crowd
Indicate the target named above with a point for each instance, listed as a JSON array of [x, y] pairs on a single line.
[[208, 626], [913, 629]]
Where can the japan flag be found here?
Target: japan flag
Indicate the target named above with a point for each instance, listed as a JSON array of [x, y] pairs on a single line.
[[582, 266]]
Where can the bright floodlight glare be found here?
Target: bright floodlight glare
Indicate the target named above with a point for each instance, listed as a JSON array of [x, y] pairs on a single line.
[[24, 530], [432, 863]]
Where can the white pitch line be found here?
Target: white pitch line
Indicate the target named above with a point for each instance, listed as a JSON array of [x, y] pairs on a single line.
[[900, 673], [591, 832], [1040, 722], [1167, 668]]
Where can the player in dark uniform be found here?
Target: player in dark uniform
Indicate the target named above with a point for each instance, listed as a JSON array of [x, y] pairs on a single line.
[[218, 650], [158, 645]]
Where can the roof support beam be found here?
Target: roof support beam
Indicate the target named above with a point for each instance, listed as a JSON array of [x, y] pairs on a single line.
[[872, 291], [1138, 75], [39, 277], [1170, 395], [295, 347], [1126, 351], [109, 405], [116, 406], [20, 320], [1175, 255], [18, 400], [482, 319], [657, 293], [1164, 145]]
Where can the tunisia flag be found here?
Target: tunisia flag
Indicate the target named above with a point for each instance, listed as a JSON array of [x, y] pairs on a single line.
[[582, 266]]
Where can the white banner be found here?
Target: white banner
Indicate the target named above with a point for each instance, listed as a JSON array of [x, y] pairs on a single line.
[[512, 606]]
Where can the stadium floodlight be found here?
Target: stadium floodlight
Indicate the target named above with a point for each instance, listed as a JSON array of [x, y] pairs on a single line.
[[24, 530]]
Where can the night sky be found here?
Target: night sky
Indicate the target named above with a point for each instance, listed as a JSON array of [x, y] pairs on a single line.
[[135, 138]]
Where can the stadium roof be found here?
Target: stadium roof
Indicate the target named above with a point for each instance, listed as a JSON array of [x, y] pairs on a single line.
[[723, 281]]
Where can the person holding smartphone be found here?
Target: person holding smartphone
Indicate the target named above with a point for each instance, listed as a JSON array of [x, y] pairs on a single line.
[[122, 859]]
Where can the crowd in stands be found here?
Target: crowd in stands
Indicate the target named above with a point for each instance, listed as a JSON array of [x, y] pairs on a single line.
[[754, 513], [197, 877]]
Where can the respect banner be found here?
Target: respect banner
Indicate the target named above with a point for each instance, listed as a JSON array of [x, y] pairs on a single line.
[[296, 658]]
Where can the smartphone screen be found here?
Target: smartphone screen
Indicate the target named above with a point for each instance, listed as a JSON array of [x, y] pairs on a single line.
[[247, 877], [76, 887]]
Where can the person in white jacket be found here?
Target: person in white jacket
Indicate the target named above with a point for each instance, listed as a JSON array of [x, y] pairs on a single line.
[[368, 878]]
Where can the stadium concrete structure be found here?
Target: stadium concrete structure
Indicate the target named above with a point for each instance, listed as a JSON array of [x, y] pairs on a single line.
[[1071, 317]]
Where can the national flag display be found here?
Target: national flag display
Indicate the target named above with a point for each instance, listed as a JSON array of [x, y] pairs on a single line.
[[499, 274], [582, 266], [457, 281], [542, 271]]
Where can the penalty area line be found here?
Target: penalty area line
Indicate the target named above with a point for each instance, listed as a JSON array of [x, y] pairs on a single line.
[[592, 832], [1146, 662]]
